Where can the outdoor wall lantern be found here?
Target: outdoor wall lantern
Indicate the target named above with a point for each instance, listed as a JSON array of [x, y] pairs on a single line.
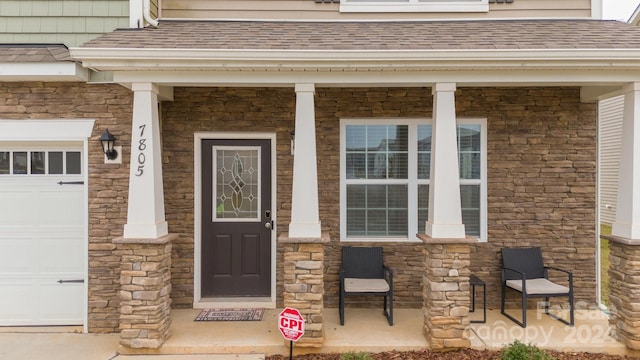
[[108, 141]]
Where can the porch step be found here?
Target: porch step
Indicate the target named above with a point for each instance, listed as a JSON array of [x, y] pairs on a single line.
[[192, 357]]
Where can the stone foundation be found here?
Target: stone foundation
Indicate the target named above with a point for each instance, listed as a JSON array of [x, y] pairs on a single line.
[[446, 292], [624, 287], [145, 279], [304, 284]]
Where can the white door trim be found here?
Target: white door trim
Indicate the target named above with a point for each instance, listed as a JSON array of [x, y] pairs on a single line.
[[69, 130], [198, 302]]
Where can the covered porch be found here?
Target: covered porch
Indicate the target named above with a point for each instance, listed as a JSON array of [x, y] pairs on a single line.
[[367, 327], [538, 107]]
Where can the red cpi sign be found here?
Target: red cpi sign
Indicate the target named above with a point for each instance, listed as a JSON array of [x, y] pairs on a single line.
[[291, 324]]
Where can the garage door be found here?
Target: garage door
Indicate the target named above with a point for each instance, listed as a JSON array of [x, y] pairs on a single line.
[[42, 234]]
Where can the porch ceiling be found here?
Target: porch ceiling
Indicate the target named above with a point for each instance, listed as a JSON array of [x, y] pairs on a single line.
[[497, 52]]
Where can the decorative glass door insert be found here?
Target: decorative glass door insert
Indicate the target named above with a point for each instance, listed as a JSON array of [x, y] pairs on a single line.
[[236, 174]]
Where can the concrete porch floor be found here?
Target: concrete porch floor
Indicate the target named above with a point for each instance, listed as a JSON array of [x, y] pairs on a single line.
[[367, 330]]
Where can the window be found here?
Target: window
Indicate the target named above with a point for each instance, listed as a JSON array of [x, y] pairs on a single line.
[[385, 167], [23, 162], [414, 5]]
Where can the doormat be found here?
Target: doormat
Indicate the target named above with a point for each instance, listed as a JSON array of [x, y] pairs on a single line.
[[230, 315]]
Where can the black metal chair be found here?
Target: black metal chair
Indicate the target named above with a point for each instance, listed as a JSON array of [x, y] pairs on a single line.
[[523, 270], [363, 273]]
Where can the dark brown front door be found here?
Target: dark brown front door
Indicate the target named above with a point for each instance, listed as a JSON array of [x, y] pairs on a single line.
[[236, 218]]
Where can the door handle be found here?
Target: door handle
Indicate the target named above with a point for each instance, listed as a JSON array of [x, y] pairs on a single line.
[[269, 224]]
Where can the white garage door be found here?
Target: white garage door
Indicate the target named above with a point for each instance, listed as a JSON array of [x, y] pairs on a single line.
[[42, 234]]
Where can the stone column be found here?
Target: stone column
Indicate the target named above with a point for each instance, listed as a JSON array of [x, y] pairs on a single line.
[[624, 291], [304, 284], [624, 242], [445, 292], [145, 286]]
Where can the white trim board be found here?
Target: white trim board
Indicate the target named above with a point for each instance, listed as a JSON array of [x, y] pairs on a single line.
[[46, 130]]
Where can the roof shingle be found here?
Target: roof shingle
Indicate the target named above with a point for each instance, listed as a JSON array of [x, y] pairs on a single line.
[[33, 53], [410, 35]]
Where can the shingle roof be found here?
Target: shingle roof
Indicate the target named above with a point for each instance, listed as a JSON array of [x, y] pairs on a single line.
[[33, 53], [412, 35]]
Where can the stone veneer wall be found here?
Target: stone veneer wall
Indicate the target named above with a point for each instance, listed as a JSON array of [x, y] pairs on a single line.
[[541, 168], [542, 146], [624, 303], [111, 107], [541, 174]]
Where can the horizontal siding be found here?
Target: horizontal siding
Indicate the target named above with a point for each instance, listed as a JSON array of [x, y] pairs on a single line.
[[70, 22], [610, 114], [310, 10], [154, 9]]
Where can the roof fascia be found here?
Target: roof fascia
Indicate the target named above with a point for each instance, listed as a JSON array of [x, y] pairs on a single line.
[[353, 78], [38, 71], [148, 59]]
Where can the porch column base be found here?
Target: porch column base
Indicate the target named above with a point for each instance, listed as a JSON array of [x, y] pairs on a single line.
[[624, 290], [304, 284], [445, 292], [145, 286]]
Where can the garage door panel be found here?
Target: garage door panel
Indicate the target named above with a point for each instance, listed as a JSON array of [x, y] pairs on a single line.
[[17, 255], [61, 304], [40, 302], [17, 207], [60, 207], [60, 254], [18, 302]]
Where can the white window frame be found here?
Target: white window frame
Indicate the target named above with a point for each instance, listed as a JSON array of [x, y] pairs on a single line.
[[412, 181], [414, 6]]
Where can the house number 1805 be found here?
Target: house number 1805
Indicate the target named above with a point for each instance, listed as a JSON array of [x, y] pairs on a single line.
[[141, 148]]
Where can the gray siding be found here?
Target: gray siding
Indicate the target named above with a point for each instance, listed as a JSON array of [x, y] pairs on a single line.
[[610, 123], [69, 22]]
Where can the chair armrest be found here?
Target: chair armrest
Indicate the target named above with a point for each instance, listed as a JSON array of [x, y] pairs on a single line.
[[514, 270], [557, 269], [388, 269], [569, 274], [388, 274]]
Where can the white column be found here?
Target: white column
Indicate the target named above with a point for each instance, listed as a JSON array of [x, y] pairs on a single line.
[[305, 218], [627, 224], [145, 216], [445, 212]]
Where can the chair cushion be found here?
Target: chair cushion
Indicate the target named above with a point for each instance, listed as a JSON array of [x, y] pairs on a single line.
[[365, 285], [538, 286]]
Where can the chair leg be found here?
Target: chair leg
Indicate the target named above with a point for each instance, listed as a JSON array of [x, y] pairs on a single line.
[[341, 306], [524, 310], [546, 305], [571, 321], [571, 309], [524, 314], [389, 314]]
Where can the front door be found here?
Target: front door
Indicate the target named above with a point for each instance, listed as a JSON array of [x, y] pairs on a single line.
[[236, 218]]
